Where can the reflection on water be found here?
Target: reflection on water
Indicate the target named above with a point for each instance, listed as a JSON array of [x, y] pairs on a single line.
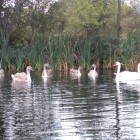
[[20, 86], [129, 85], [128, 93], [66, 108]]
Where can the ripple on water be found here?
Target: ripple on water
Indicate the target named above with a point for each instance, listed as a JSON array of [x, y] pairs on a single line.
[[69, 110]]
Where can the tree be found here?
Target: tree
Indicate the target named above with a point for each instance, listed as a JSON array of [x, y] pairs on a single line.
[[1, 10], [118, 19]]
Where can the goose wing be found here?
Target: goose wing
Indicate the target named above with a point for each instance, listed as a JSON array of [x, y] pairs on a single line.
[[73, 71], [92, 73], [21, 76], [1, 71]]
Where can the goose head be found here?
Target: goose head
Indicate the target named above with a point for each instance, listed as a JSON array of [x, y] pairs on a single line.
[[46, 65], [29, 68], [93, 66], [79, 68], [46, 70], [117, 63]]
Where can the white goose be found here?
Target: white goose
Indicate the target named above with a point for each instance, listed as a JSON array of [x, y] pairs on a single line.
[[93, 72], [45, 73], [127, 75], [75, 72], [1, 72], [22, 76]]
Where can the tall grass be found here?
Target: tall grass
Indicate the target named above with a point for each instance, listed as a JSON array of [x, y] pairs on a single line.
[[84, 49], [18, 59], [129, 51], [60, 51], [36, 52]]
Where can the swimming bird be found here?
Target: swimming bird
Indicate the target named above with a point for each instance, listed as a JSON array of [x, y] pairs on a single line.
[[127, 75], [93, 72], [22, 76], [76, 72], [1, 72], [46, 72]]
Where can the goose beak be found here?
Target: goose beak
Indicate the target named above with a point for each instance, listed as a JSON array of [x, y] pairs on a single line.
[[32, 69]]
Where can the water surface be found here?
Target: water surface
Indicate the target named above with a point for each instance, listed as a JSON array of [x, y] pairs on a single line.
[[67, 108]]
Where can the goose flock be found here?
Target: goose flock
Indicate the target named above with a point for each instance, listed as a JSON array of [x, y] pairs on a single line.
[[122, 76]]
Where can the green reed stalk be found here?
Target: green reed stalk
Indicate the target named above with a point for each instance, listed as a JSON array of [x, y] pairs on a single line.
[[7, 58], [17, 59], [86, 53], [51, 49], [36, 54]]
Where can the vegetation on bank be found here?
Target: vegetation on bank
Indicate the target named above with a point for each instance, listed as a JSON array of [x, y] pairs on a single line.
[[70, 33]]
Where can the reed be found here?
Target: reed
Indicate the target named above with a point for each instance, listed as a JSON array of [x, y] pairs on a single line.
[[51, 50], [128, 52], [36, 53], [84, 48], [18, 59], [7, 59], [63, 51]]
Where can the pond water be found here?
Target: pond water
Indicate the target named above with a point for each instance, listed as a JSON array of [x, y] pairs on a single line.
[[66, 108]]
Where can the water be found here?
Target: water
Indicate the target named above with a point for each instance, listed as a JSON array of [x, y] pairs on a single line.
[[63, 108]]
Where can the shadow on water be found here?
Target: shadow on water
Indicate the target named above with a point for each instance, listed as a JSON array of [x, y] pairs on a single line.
[[67, 108]]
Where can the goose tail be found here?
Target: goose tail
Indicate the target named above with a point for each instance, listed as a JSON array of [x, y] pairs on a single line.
[[12, 76]]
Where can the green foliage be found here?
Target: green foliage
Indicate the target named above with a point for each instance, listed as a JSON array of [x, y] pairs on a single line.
[[129, 48], [36, 52], [81, 15], [83, 28], [17, 59]]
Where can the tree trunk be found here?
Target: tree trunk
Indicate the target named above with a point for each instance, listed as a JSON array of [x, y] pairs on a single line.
[[1, 9], [118, 19]]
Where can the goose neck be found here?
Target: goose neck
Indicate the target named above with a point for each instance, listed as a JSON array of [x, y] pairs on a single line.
[[94, 68], [45, 72], [138, 68], [28, 75], [118, 68], [79, 71]]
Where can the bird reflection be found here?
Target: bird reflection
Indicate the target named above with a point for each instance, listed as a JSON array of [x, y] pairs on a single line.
[[21, 86], [119, 91], [76, 80], [129, 85], [46, 82], [1, 78], [133, 85], [18, 111], [73, 77], [93, 79]]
